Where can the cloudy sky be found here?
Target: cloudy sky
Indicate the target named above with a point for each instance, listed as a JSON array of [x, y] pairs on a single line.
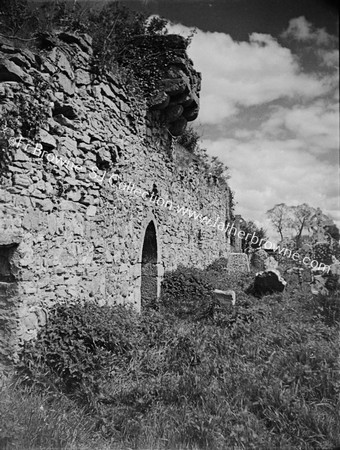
[[269, 100]]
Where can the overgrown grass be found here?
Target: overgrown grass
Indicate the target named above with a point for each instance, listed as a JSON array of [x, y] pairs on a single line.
[[262, 376], [33, 419]]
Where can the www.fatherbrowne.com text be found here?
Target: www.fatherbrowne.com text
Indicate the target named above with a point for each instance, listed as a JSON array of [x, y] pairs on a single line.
[[221, 225], [228, 228]]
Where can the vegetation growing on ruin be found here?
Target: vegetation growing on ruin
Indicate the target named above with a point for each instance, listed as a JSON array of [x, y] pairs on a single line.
[[261, 375], [115, 29], [119, 45], [249, 229], [190, 140], [29, 112], [213, 167]]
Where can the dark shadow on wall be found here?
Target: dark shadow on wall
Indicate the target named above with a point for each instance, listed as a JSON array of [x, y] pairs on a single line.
[[149, 267], [8, 302]]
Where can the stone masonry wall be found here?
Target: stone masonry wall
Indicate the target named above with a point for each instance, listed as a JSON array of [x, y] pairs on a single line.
[[69, 228]]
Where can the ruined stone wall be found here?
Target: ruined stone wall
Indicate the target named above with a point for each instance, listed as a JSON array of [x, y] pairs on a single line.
[[68, 228]]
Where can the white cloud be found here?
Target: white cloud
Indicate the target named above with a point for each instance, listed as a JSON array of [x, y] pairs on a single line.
[[273, 124], [302, 30], [315, 126], [330, 58], [243, 74], [265, 172]]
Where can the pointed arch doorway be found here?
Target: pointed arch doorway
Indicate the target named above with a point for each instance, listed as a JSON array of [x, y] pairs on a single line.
[[149, 266]]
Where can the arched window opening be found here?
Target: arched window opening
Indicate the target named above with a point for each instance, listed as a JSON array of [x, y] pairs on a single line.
[[149, 267]]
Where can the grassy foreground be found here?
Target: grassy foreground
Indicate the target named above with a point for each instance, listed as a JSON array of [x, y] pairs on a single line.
[[262, 375]]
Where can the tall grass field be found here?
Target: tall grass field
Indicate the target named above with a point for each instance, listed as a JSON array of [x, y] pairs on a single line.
[[186, 373]]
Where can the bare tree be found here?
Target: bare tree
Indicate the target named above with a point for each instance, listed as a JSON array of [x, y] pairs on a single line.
[[301, 216], [280, 218], [298, 220]]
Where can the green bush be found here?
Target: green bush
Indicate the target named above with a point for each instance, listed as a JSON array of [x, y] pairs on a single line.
[[115, 29], [224, 279], [14, 16], [79, 346], [325, 307], [123, 36], [218, 265], [187, 293], [189, 140], [323, 253], [29, 112], [262, 375]]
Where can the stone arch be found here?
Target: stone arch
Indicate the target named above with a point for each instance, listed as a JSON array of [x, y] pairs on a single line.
[[9, 295], [150, 269], [149, 266]]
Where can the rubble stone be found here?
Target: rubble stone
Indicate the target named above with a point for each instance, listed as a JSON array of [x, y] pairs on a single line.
[[78, 232]]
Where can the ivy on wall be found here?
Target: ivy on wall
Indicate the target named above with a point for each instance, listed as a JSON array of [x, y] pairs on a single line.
[[124, 41], [27, 113]]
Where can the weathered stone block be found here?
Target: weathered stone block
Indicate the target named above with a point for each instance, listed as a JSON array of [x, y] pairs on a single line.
[[45, 205], [82, 77], [91, 211], [46, 139], [60, 60], [65, 83], [9, 71], [84, 41], [66, 109], [225, 297], [238, 262]]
